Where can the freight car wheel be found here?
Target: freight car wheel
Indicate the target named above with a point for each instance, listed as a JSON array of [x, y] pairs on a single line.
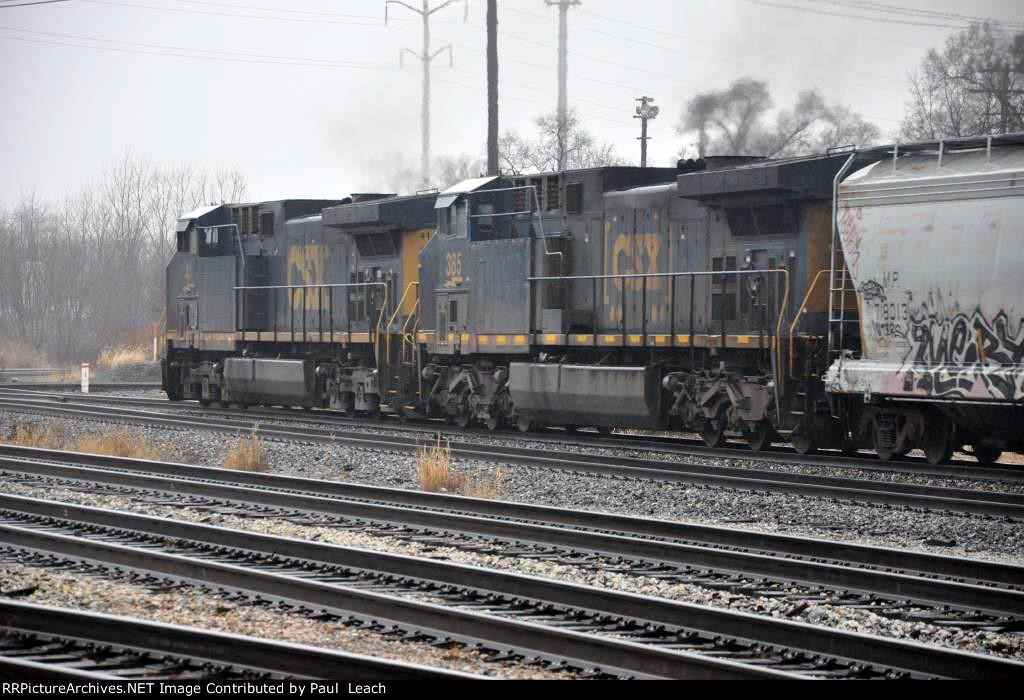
[[985, 455], [526, 426], [803, 440], [759, 435], [462, 418], [938, 440], [493, 422]]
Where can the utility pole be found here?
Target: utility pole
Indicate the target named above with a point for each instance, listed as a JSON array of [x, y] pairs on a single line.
[[645, 110], [563, 71], [492, 87], [426, 57]]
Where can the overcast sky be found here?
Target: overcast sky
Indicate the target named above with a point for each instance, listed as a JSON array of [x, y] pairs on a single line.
[[307, 99]]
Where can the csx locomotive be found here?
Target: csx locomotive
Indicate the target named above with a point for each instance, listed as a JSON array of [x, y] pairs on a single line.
[[856, 299]]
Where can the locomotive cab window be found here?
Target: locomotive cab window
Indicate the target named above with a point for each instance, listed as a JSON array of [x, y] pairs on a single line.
[[454, 220], [778, 219]]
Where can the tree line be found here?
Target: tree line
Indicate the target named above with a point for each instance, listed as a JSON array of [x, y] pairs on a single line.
[[87, 271]]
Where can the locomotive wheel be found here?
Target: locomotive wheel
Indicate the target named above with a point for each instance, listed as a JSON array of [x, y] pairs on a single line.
[[803, 441], [759, 436], [462, 418], [493, 422], [713, 431], [523, 425], [984, 454], [938, 440]]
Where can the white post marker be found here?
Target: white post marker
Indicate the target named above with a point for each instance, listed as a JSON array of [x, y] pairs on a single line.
[[85, 377], [156, 333]]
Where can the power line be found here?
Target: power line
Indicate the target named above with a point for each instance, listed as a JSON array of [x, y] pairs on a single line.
[[185, 52], [919, 12], [847, 15], [232, 14], [26, 4]]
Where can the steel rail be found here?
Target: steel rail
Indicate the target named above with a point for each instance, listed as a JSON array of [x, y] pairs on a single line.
[[617, 656], [987, 503], [819, 568], [856, 554], [203, 646], [656, 445], [93, 386], [881, 651]]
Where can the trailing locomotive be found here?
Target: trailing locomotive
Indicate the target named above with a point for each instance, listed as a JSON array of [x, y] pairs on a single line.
[[805, 298]]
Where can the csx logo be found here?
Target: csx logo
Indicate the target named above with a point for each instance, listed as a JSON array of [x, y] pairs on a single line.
[[306, 265], [634, 254]]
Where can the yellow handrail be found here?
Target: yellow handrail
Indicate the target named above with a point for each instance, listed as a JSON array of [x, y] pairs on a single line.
[[796, 322], [411, 337], [398, 309], [380, 318], [778, 333]]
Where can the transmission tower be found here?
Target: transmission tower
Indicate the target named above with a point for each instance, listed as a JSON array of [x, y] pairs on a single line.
[[426, 57], [563, 71]]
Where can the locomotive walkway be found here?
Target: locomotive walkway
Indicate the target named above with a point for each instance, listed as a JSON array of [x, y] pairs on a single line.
[[623, 634]]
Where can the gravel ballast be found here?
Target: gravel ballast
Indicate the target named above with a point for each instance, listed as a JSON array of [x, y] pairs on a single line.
[[959, 534], [189, 605], [824, 612]]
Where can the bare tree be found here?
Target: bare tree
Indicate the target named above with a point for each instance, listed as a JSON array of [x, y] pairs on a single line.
[[974, 85], [574, 146], [736, 121], [82, 272]]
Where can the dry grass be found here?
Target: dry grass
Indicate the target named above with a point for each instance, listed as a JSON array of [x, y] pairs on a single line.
[[16, 354], [248, 454], [435, 472], [46, 436], [123, 354], [120, 442], [492, 488], [434, 468]]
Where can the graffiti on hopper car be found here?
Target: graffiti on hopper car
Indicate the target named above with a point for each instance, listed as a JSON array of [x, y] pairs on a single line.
[[948, 354]]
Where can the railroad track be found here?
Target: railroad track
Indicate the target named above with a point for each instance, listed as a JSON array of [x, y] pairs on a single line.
[[657, 624], [884, 580], [393, 607], [33, 386], [10, 372], [330, 420], [46, 643], [860, 491]]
